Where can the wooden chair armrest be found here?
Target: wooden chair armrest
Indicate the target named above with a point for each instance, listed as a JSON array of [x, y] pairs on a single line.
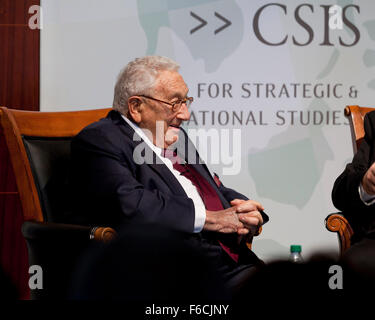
[[259, 231], [336, 222], [49, 230], [104, 234], [58, 248], [249, 241]]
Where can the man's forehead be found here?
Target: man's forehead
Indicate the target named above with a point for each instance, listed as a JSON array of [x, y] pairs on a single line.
[[171, 82]]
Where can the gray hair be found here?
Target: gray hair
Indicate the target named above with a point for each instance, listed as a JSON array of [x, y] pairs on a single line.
[[139, 77]]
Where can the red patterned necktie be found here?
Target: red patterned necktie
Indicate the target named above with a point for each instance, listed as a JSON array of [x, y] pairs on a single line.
[[208, 194]]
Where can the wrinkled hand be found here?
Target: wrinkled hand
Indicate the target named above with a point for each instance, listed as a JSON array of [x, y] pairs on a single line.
[[224, 221], [243, 218], [248, 214], [368, 180]]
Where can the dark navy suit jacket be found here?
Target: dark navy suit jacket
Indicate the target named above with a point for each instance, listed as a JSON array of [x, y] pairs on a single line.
[[345, 194], [110, 188]]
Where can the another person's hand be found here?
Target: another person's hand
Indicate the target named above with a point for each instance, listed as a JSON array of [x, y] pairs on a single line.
[[368, 180]]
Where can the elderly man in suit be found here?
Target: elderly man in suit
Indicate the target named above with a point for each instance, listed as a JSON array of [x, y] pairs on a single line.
[[137, 165]]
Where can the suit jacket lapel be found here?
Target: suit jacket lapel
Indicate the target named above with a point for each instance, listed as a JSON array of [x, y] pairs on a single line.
[[157, 165], [187, 151], [184, 148]]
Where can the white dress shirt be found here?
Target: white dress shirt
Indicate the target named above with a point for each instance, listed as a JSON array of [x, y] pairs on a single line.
[[186, 184]]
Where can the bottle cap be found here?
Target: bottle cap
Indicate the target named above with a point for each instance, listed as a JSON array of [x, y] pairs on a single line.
[[295, 248]]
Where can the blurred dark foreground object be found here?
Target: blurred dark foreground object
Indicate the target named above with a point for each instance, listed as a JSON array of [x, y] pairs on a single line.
[[288, 279], [359, 264], [293, 286], [147, 263], [152, 264], [322, 280]]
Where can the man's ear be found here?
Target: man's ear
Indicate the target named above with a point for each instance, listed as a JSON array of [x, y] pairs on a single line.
[[134, 108]]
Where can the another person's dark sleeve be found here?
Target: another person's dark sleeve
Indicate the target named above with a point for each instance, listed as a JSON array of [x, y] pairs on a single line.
[[345, 194]]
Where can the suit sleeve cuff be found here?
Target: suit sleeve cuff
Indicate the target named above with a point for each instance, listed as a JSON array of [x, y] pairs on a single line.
[[367, 199], [200, 217]]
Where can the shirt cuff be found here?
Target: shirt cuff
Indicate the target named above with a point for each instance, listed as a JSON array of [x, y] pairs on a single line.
[[200, 217], [367, 199]]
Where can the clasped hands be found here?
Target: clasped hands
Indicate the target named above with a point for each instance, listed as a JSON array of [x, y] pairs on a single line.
[[242, 218]]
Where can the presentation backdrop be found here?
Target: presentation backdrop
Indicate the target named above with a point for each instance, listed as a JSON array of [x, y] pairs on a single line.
[[270, 80]]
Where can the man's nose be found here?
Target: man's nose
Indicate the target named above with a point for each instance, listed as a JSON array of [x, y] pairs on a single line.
[[183, 114]]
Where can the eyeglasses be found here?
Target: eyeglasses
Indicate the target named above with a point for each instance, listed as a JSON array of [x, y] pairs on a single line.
[[176, 106]]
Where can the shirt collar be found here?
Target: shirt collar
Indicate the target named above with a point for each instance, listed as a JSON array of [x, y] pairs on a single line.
[[140, 132]]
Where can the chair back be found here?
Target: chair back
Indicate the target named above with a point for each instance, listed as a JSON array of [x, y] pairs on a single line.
[[39, 148], [356, 115]]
